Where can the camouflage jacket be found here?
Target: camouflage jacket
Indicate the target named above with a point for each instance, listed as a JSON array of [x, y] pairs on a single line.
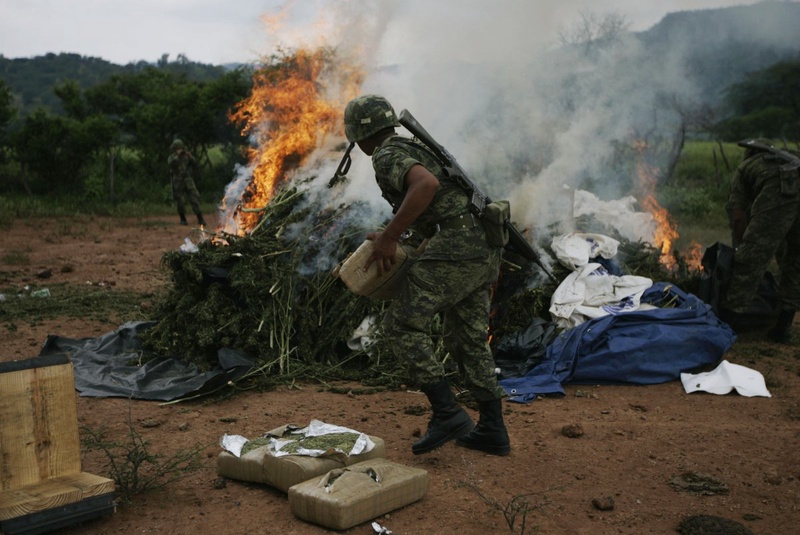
[[182, 165], [760, 185], [391, 162]]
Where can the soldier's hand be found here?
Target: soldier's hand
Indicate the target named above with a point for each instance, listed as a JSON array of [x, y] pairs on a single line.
[[384, 251]]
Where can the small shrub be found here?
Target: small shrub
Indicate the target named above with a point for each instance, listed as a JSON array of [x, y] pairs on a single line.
[[134, 468]]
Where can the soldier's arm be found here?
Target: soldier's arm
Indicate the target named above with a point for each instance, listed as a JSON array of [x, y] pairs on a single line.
[[422, 186], [738, 224]]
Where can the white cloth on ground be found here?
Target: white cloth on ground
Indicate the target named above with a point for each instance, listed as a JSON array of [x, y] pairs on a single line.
[[725, 378], [591, 292]]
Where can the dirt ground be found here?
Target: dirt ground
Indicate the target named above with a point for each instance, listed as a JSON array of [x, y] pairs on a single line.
[[618, 476]]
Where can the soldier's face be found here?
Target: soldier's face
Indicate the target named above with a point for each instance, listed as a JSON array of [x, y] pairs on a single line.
[[368, 145]]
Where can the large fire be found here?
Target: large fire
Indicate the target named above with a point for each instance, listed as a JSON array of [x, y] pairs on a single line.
[[291, 110]]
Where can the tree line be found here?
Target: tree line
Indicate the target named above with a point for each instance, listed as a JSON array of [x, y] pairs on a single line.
[[766, 103], [109, 138]]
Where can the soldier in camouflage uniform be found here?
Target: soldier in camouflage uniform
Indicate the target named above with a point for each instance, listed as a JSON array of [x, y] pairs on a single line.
[[764, 209], [453, 276], [182, 167]]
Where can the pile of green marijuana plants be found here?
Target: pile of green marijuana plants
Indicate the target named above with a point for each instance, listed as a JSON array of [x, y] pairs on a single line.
[[270, 294]]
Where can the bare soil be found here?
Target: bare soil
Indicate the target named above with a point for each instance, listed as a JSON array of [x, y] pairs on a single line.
[[618, 473]]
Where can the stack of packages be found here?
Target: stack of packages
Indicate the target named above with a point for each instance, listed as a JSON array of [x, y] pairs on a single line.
[[334, 476]]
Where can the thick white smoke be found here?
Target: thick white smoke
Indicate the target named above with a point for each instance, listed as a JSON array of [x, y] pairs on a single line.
[[526, 118]]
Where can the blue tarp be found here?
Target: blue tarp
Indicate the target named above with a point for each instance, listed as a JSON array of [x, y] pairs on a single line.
[[639, 347]]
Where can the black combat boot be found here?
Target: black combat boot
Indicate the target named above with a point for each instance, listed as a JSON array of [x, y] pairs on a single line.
[[183, 218], [781, 332], [200, 220], [490, 434], [449, 420]]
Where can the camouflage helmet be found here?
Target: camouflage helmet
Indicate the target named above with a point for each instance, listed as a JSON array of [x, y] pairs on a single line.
[[177, 144], [367, 115], [751, 146]]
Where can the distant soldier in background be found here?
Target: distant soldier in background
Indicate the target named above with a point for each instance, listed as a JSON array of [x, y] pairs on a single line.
[[182, 168], [764, 211]]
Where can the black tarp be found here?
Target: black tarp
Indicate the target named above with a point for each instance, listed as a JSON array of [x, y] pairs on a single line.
[[108, 366]]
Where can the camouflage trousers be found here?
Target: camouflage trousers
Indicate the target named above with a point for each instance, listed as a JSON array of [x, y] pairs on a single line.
[[461, 291], [765, 235], [184, 189]]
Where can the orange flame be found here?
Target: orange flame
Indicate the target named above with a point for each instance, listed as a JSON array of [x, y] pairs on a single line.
[[288, 116], [666, 231], [694, 257]]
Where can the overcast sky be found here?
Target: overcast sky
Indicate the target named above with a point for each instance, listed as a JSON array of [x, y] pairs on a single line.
[[217, 31]]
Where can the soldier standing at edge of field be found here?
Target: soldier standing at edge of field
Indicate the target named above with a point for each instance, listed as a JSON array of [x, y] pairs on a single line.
[[764, 211], [182, 167]]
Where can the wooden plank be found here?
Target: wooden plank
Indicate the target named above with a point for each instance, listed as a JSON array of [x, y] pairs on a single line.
[[41, 496], [90, 484], [39, 433], [52, 493]]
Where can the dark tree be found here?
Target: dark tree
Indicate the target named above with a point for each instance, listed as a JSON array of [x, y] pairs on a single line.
[[765, 104]]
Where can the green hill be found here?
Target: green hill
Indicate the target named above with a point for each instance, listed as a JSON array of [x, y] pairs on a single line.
[[32, 79]]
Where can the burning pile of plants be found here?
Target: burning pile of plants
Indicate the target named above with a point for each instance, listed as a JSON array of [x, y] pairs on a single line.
[[262, 284], [269, 294]]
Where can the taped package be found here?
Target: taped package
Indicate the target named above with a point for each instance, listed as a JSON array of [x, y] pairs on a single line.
[[281, 470], [346, 497], [369, 283]]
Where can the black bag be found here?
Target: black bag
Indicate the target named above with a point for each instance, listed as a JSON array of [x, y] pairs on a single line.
[[717, 265]]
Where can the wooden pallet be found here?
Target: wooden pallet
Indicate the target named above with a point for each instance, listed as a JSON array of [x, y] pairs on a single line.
[[41, 482]]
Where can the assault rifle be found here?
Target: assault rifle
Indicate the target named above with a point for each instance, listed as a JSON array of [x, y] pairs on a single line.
[[782, 154], [478, 198]]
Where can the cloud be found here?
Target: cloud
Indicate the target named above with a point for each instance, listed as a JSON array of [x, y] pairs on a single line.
[[128, 31], [217, 32]]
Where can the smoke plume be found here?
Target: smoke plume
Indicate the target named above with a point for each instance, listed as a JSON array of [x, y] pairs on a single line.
[[528, 116]]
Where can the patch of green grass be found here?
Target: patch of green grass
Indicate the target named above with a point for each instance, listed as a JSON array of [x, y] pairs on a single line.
[[16, 258], [698, 192], [102, 304], [705, 232], [27, 207], [706, 161], [749, 346]]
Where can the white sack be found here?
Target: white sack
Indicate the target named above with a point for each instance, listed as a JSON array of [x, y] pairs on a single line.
[[592, 292], [575, 249]]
